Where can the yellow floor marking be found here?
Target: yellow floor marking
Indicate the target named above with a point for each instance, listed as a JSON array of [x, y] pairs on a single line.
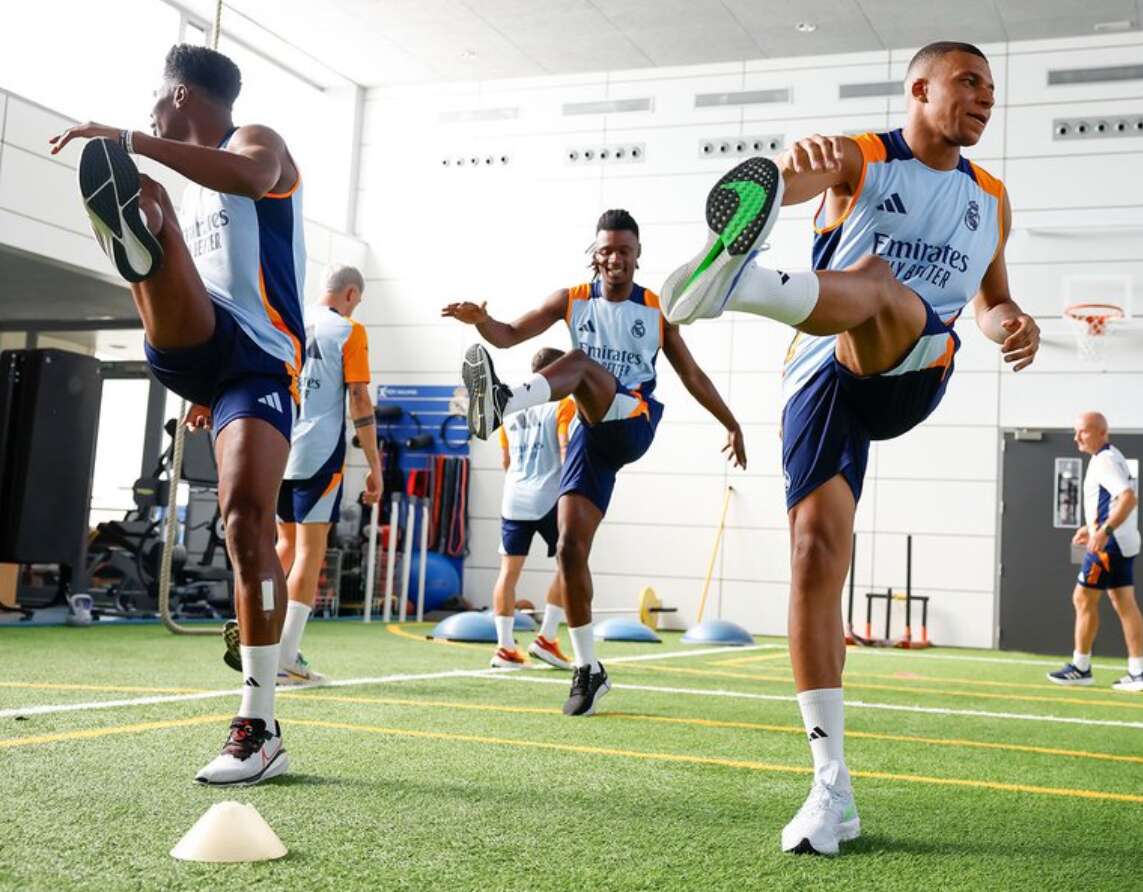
[[109, 688], [719, 723], [1122, 703], [397, 630], [742, 661], [691, 759], [89, 733]]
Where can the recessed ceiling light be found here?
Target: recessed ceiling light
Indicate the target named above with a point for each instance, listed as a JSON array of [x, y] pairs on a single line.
[[1121, 25], [805, 27]]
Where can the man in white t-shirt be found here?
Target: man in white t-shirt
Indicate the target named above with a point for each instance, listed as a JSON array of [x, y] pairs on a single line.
[[1112, 539], [533, 442]]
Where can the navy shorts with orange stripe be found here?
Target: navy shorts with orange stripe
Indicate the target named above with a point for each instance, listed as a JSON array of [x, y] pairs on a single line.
[[828, 424], [229, 373], [316, 500], [596, 452], [1107, 569]]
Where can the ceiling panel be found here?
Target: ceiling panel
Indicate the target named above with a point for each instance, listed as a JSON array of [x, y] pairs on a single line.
[[378, 42], [32, 288]]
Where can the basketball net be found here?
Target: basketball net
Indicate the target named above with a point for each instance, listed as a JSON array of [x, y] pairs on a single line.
[[1092, 324]]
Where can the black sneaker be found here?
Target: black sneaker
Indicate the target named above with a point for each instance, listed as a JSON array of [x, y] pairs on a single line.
[[587, 689], [109, 183], [487, 396], [232, 657]]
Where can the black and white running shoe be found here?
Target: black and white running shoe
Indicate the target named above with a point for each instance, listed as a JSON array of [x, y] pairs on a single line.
[[587, 689], [487, 396], [109, 183], [252, 754]]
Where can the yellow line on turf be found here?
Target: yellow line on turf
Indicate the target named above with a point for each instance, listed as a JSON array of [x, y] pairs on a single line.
[[692, 759], [913, 676], [397, 630], [89, 733], [943, 692], [65, 686], [742, 661], [719, 723]]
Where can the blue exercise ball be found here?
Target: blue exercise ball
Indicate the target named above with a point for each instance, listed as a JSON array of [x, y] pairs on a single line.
[[442, 582]]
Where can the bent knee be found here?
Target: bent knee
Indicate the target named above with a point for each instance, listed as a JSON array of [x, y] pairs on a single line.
[[571, 552]]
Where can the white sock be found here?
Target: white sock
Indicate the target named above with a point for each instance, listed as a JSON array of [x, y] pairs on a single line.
[[259, 674], [583, 646], [504, 625], [532, 392], [296, 615], [553, 616], [787, 297], [1081, 661], [1135, 665], [823, 714]]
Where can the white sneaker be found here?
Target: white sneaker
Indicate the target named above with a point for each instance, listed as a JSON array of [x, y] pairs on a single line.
[[251, 755], [741, 210], [508, 658], [299, 673], [1129, 682], [826, 818]]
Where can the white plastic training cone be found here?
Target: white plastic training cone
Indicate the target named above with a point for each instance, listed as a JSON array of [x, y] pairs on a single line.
[[227, 833]]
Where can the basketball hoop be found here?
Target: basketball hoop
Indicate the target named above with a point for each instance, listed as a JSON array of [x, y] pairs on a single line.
[[1092, 324]]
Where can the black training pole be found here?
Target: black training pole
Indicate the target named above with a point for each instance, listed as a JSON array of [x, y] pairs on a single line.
[[909, 588]]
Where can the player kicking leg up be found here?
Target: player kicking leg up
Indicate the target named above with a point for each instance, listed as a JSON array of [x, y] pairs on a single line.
[[223, 326], [909, 231], [617, 329]]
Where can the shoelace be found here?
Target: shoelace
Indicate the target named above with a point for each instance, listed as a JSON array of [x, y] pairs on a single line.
[[822, 797], [581, 680], [245, 739]]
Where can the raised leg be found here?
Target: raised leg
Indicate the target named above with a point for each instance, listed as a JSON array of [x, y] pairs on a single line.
[[593, 387]]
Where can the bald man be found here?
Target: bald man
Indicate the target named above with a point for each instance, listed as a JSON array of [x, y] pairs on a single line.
[[908, 231], [1112, 539]]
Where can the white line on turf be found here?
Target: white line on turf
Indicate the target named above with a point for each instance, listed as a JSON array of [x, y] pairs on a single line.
[[849, 704], [50, 709]]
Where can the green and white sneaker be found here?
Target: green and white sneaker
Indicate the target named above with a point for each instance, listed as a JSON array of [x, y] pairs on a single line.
[[741, 210], [827, 818], [299, 673]]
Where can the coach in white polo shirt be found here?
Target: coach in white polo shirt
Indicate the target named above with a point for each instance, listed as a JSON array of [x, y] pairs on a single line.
[[1111, 536]]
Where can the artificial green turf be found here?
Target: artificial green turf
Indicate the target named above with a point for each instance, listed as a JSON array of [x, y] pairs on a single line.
[[476, 808]]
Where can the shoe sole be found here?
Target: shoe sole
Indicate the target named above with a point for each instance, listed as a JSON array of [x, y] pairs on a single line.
[[1135, 687], [1068, 682], [297, 681], [497, 663], [603, 689], [849, 831], [722, 204], [480, 381], [551, 659], [109, 184], [277, 767]]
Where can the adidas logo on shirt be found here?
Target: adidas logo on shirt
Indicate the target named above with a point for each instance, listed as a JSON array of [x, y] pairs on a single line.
[[893, 205], [588, 326], [272, 400]]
